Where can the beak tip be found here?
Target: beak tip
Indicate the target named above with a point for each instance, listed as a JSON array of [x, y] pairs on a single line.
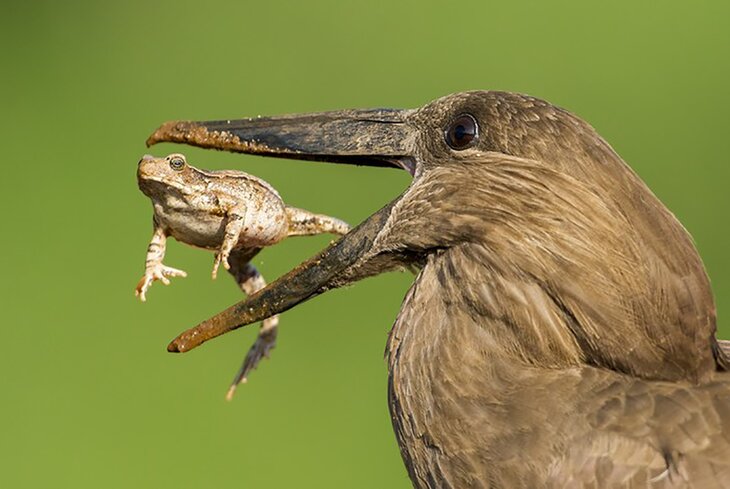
[[173, 132], [199, 134]]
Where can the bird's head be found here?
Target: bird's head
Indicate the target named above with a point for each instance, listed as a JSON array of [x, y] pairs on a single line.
[[531, 185]]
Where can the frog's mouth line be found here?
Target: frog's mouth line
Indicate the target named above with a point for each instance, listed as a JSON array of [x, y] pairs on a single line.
[[378, 137]]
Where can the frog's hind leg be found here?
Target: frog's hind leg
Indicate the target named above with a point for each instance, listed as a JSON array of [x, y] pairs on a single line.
[[305, 223], [251, 281]]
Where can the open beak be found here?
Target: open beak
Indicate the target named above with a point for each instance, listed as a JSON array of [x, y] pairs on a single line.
[[360, 137]]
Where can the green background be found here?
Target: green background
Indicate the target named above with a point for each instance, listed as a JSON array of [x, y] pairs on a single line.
[[90, 398]]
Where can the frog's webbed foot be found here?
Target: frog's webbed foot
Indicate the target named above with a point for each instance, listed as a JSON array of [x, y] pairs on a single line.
[[251, 281], [153, 272], [261, 349]]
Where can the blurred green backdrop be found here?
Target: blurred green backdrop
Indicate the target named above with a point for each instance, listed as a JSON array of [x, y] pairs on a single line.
[[90, 398]]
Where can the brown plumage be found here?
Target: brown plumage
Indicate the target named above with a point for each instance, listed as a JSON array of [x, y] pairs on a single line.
[[561, 330]]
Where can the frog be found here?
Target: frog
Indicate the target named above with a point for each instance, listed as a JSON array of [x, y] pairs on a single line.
[[229, 212]]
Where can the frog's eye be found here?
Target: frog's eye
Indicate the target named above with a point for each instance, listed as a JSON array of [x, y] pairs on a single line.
[[177, 163]]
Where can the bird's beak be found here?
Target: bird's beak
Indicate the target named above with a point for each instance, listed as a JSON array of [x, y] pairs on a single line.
[[378, 137], [361, 137]]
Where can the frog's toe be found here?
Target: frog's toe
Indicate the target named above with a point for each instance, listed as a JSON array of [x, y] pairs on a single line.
[[172, 272], [220, 259], [164, 273], [142, 286], [140, 293]]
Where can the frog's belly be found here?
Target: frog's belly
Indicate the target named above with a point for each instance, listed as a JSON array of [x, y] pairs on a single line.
[[201, 231], [208, 231]]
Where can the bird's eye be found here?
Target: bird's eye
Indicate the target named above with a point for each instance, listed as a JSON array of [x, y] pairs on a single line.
[[177, 163], [462, 132]]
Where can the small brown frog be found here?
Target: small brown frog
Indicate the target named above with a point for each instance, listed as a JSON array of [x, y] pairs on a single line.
[[229, 212]]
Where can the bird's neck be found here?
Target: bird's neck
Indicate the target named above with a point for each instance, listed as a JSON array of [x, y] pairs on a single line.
[[462, 312], [561, 273], [456, 378]]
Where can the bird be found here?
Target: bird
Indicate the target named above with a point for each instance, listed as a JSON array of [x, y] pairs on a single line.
[[561, 329]]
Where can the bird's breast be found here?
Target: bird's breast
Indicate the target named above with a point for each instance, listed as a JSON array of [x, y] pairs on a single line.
[[453, 396]]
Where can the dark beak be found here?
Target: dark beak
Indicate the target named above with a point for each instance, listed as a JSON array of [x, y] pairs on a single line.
[[379, 137], [361, 137]]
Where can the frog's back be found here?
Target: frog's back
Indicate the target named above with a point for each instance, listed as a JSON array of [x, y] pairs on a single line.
[[244, 178], [265, 218]]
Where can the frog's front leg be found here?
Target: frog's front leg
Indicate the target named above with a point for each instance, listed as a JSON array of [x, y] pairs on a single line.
[[305, 223], [234, 226], [251, 281], [154, 269]]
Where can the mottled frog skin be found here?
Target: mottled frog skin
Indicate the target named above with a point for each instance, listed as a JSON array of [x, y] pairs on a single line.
[[230, 212]]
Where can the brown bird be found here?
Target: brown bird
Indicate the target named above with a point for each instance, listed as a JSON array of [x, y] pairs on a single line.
[[561, 330]]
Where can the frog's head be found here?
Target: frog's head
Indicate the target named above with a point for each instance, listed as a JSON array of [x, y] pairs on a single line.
[[170, 172]]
